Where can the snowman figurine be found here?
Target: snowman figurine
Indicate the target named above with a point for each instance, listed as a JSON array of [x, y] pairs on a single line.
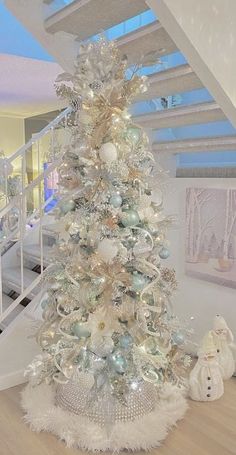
[[222, 337], [206, 383]]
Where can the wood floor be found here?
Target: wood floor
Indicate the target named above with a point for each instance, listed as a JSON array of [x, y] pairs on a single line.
[[208, 429]]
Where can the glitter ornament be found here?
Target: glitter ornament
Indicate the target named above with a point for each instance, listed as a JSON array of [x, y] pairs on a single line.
[[138, 281], [108, 152], [164, 253], [130, 217], [133, 134], [116, 200], [102, 346], [118, 362], [178, 338], [107, 250], [125, 341]]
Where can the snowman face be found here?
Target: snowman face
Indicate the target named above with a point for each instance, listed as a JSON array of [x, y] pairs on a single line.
[[221, 331], [209, 356]]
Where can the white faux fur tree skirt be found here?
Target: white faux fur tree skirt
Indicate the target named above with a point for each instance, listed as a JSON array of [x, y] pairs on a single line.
[[142, 434]]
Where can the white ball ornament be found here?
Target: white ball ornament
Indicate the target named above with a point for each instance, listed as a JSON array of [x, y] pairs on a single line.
[[157, 196], [107, 250], [108, 152]]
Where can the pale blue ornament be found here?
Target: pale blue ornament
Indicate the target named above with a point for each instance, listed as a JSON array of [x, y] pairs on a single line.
[[116, 200], [178, 338], [126, 341], [44, 301], [67, 206], [130, 217], [133, 134], [118, 362], [80, 330], [138, 281], [164, 253]]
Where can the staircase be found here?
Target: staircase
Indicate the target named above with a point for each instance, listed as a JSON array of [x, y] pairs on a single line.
[[26, 241], [60, 26]]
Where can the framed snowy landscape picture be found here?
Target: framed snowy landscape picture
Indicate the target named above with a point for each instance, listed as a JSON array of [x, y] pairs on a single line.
[[210, 242]]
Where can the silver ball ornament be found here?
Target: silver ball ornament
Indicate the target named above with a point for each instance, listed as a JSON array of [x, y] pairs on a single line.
[[164, 253], [116, 200], [130, 217]]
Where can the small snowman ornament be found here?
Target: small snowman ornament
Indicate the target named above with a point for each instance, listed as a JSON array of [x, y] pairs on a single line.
[[223, 337], [205, 382]]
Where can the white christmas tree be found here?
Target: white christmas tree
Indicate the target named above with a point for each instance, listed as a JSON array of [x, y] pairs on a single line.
[[111, 374]]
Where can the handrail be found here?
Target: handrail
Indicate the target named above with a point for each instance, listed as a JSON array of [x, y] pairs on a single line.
[[38, 136], [19, 201], [14, 201]]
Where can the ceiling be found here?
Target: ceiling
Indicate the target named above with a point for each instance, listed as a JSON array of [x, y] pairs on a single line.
[[27, 86]]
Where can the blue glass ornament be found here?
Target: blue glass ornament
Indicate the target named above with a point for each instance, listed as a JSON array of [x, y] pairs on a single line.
[[118, 362], [129, 217], [44, 303], [67, 206], [126, 341], [116, 200], [80, 330], [164, 253], [178, 338], [138, 281]]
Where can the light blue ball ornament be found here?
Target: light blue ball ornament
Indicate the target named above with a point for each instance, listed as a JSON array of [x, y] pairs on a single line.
[[178, 338], [126, 341], [118, 362], [164, 253], [80, 330], [67, 206], [116, 200], [44, 302], [138, 281], [130, 217]]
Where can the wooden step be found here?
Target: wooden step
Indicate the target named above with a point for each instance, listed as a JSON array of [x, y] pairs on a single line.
[[170, 82], [181, 116], [203, 144], [150, 38], [11, 279], [86, 18]]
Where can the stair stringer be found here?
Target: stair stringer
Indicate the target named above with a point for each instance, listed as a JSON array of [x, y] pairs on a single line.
[[62, 46]]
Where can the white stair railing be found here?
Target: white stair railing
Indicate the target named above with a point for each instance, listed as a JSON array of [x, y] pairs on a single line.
[[24, 198]]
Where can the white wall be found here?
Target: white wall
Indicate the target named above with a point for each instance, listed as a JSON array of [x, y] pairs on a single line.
[[12, 135], [197, 298], [205, 32]]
